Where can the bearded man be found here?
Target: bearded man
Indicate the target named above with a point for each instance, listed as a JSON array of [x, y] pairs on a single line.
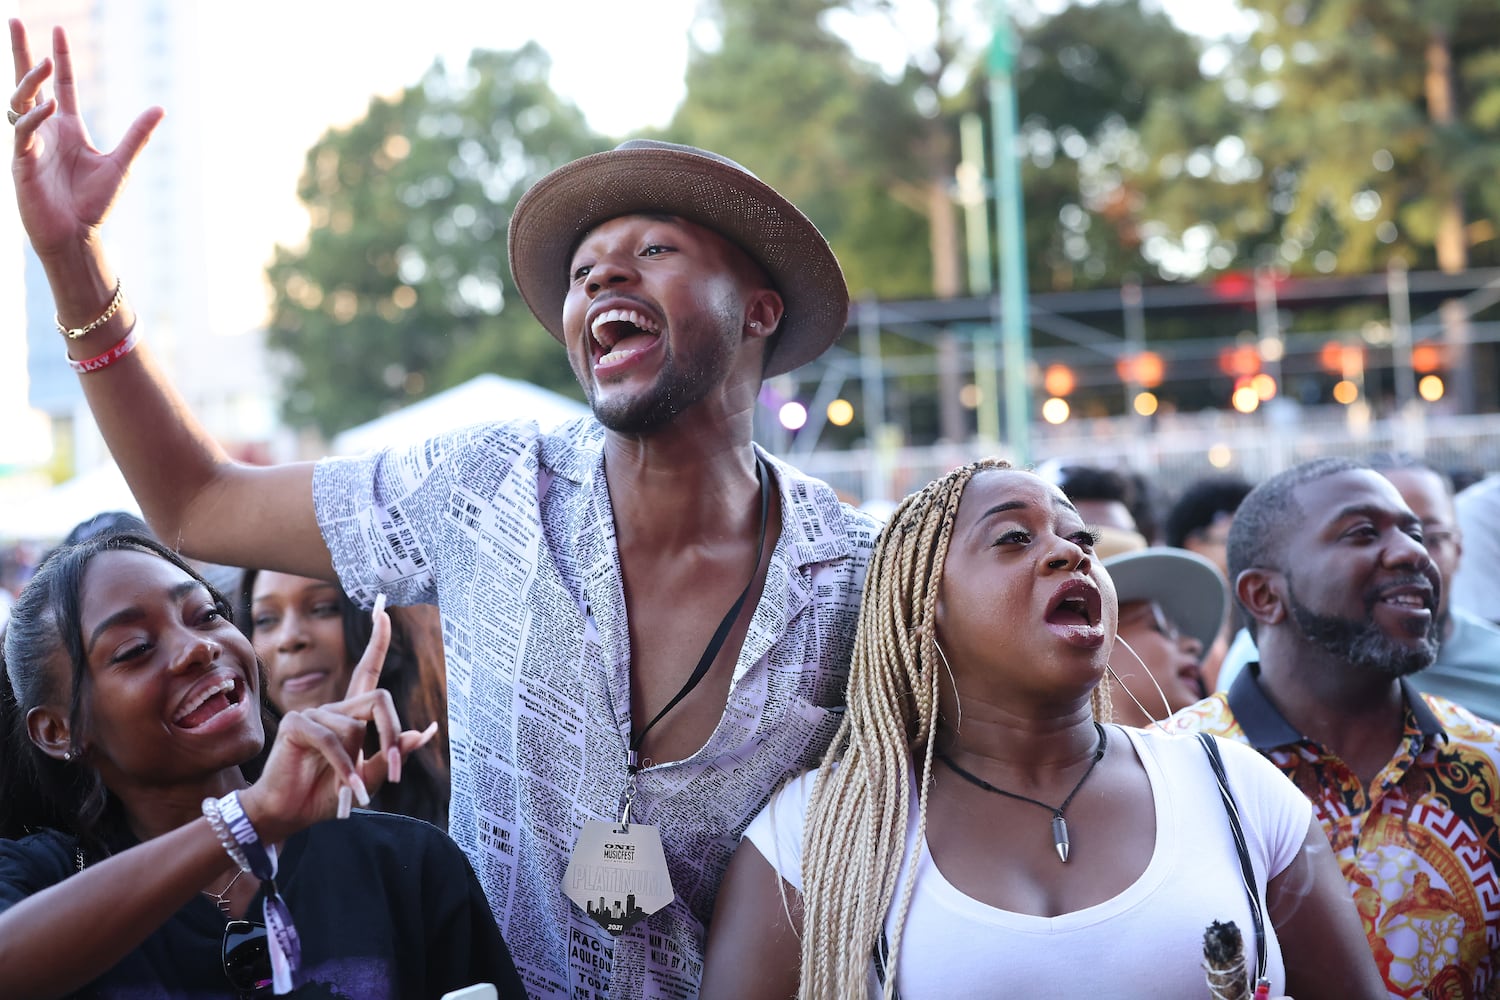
[[1341, 596]]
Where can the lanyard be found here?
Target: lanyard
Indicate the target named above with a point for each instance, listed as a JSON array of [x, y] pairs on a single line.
[[716, 643]]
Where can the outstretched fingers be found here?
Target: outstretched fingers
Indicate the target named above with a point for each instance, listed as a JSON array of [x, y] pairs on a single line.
[[25, 99], [136, 136]]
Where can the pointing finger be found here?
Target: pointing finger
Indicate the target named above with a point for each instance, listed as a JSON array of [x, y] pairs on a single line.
[[367, 671]]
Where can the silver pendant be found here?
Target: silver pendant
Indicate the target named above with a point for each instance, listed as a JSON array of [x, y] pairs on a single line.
[[1060, 836]]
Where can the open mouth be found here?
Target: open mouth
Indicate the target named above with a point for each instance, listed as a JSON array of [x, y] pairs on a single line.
[[208, 701], [1076, 605], [620, 334], [1408, 597]]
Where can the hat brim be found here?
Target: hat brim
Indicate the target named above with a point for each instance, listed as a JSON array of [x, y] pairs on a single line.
[[556, 213], [1189, 588]]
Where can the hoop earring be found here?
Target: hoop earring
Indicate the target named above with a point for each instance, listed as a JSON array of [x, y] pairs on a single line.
[[1130, 694], [952, 682]]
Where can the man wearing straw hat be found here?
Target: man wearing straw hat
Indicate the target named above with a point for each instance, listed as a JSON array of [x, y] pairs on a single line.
[[647, 619]]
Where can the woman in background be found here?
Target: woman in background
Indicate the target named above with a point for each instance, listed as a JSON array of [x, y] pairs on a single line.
[[307, 633]]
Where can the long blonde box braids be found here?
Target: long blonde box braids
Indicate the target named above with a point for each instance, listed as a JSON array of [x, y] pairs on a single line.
[[856, 828]]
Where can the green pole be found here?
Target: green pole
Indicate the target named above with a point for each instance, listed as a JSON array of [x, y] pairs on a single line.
[[1014, 310], [972, 183]]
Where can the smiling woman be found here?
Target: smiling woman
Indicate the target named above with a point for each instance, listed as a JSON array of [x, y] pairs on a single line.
[[138, 856]]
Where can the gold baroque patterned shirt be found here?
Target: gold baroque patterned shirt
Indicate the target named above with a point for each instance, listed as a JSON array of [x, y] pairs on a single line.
[[1419, 847]]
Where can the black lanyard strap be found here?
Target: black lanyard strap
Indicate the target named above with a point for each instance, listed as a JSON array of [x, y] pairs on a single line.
[[711, 651]]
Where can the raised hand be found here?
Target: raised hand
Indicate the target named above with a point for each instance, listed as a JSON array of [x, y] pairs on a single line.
[[65, 187]]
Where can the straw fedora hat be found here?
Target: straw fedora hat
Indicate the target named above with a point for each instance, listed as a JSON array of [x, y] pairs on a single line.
[[644, 175]]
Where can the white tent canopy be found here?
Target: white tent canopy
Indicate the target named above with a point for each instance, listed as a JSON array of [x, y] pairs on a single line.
[[49, 515], [484, 399]]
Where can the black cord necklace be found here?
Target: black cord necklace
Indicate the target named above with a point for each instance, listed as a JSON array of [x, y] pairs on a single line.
[[1059, 825]]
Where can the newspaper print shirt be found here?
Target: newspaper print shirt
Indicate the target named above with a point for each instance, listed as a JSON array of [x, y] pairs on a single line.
[[510, 532]]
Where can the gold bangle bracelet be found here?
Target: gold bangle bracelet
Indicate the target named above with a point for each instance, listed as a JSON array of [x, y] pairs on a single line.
[[109, 310]]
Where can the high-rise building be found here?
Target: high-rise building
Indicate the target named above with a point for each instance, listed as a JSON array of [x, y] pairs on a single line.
[[129, 55]]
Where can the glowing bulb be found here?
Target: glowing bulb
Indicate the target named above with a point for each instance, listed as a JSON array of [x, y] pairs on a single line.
[[793, 415]]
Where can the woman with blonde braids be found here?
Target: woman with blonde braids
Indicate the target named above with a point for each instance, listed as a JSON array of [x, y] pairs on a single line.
[[974, 831]]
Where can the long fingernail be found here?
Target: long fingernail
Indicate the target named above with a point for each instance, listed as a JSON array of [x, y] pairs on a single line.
[[393, 764], [379, 605], [428, 734], [360, 792], [346, 802]]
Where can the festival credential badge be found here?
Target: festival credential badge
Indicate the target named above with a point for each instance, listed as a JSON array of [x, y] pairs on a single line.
[[618, 873]]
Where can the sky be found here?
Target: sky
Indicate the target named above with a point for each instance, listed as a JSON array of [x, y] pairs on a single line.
[[292, 68], [278, 73]]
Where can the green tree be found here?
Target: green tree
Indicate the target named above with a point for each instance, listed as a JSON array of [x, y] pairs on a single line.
[[1086, 79], [785, 96], [868, 156], [403, 287], [1346, 134]]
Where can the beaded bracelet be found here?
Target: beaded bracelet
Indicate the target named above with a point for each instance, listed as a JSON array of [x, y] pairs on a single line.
[[109, 357], [109, 310], [221, 830], [261, 858]]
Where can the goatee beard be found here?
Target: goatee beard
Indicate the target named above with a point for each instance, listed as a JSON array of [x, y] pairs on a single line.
[[677, 387], [1362, 643]]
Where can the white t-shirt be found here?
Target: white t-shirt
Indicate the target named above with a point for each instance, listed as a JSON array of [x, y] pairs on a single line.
[[1147, 941]]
